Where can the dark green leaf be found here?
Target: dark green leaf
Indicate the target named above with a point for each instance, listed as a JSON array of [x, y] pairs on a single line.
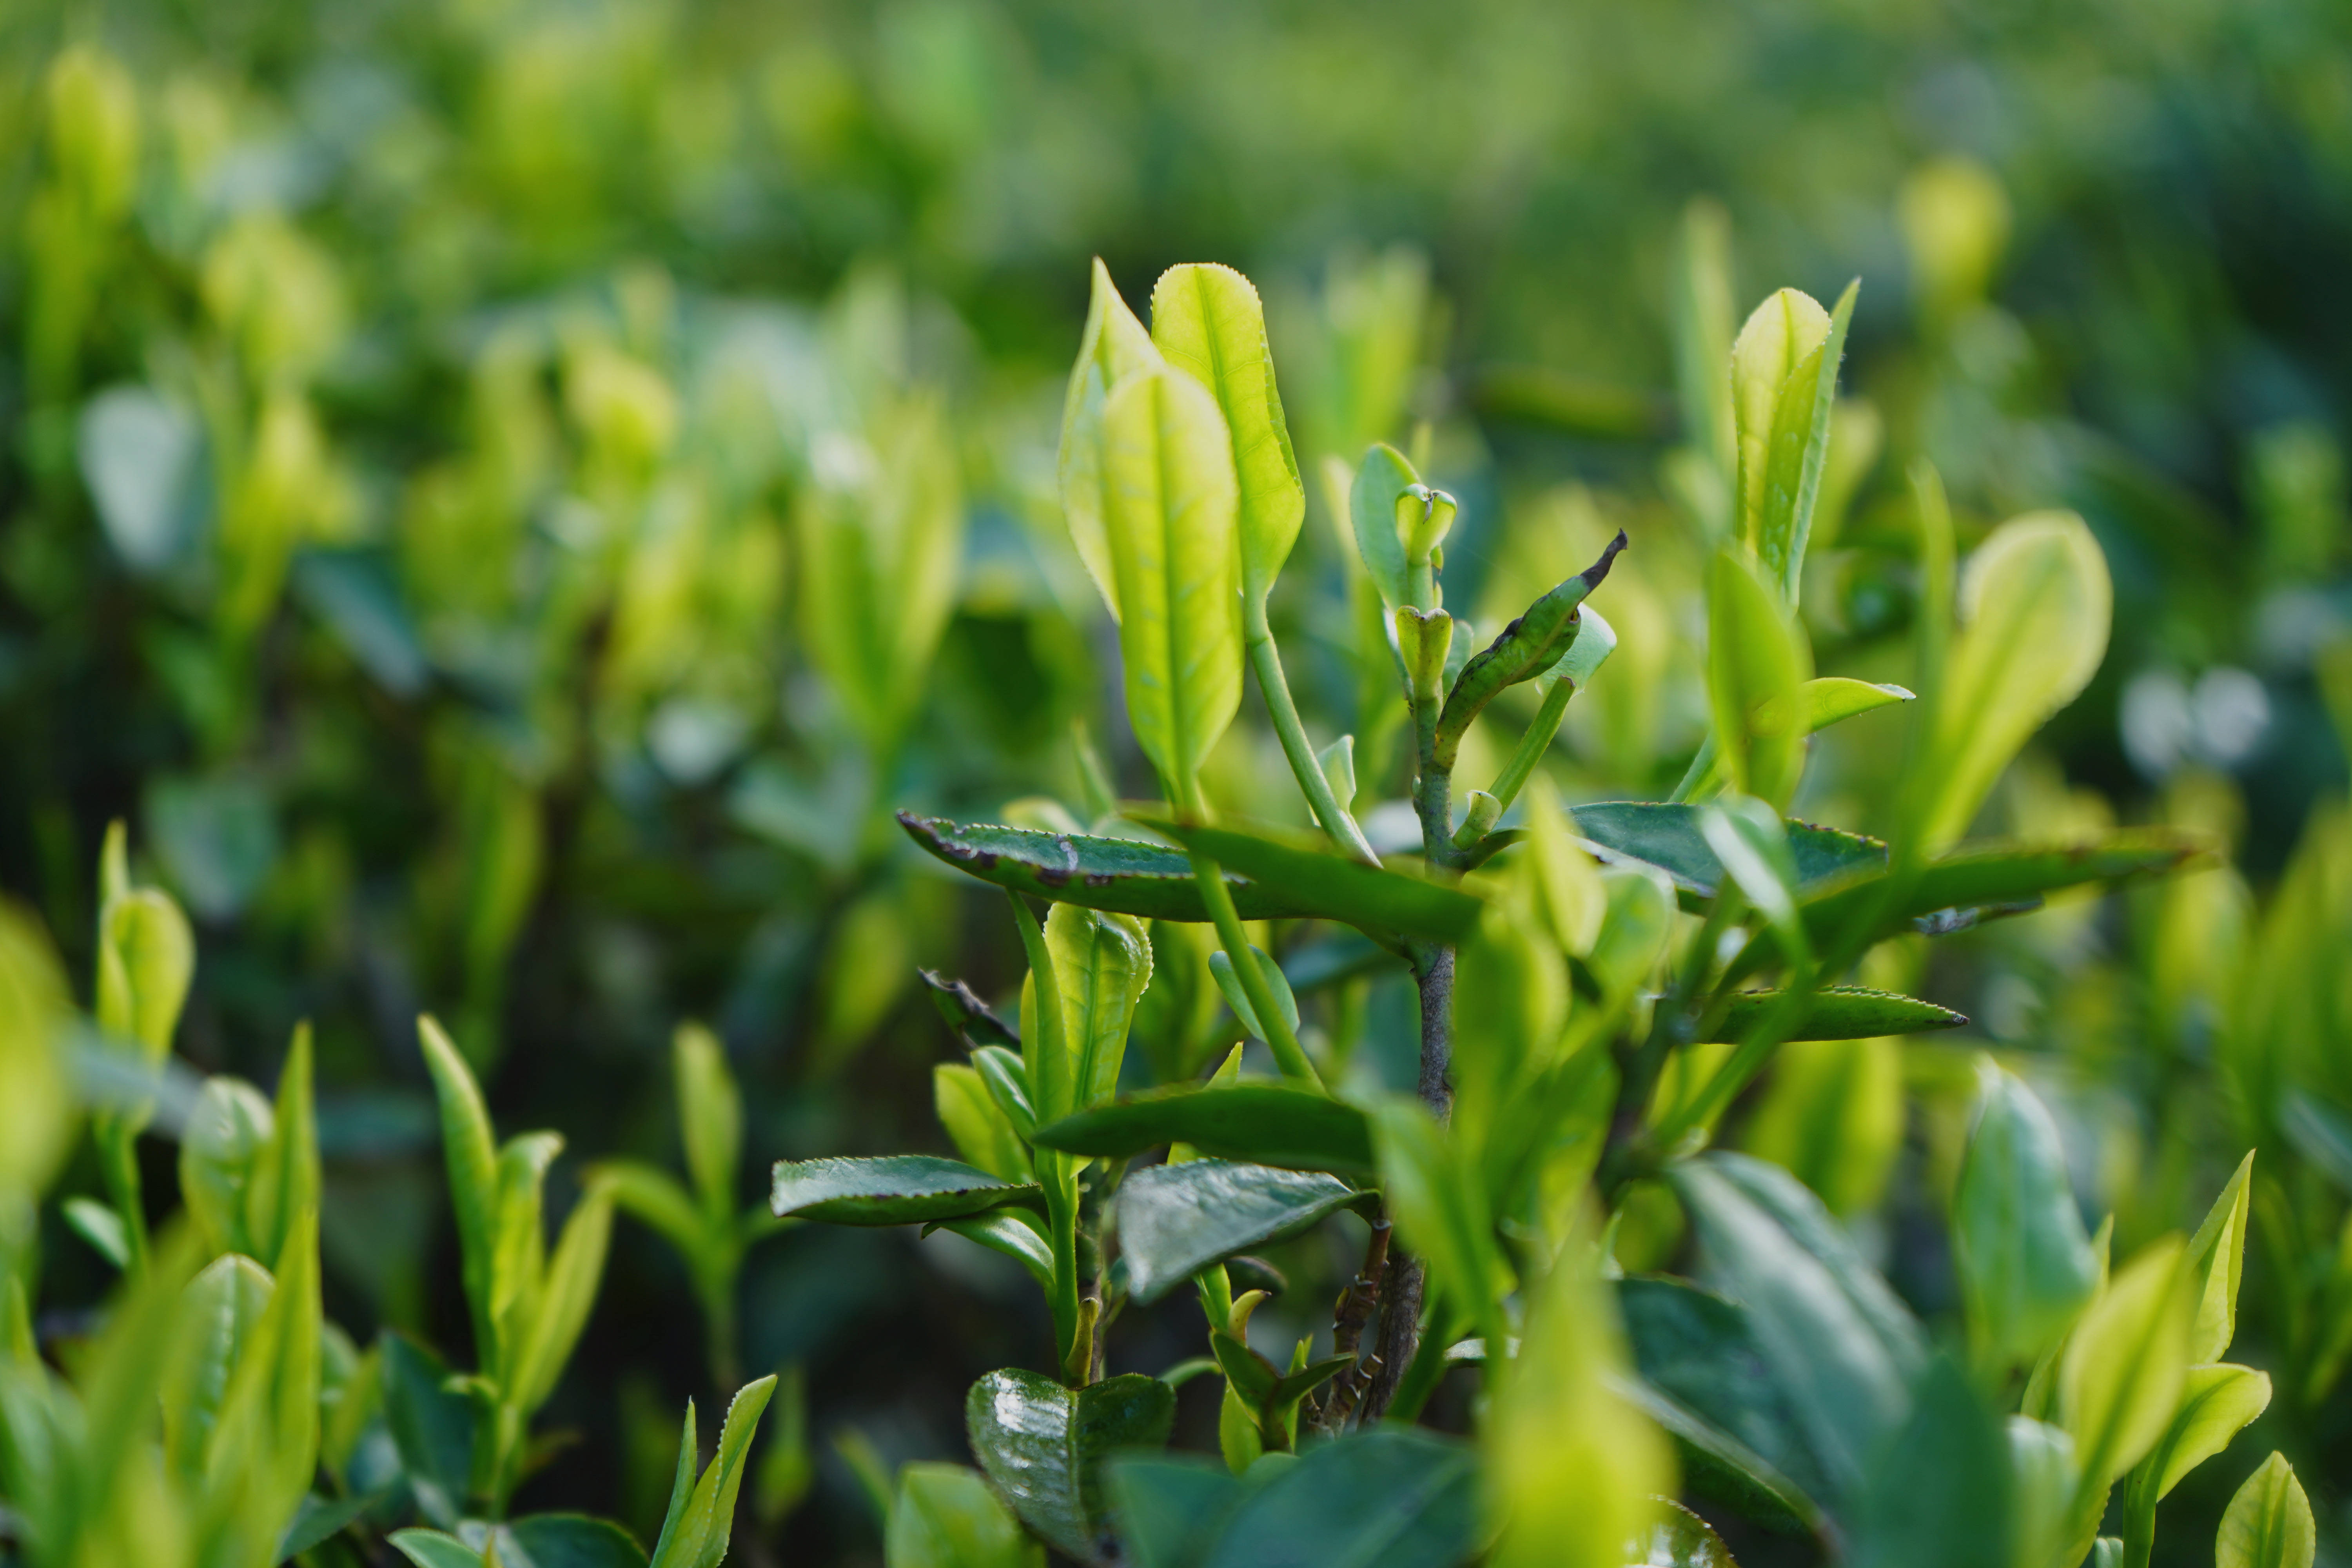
[[1840, 1345], [1309, 874], [1680, 1539], [431, 1549], [1696, 1349], [432, 1428], [1524, 649], [1843, 1013], [1265, 1124], [894, 1189], [1004, 1230], [2024, 1262], [1116, 874], [1043, 1443], [1939, 1498], [1171, 1508], [319, 1518], [1391, 1498], [1667, 836], [567, 1540], [1175, 1220], [966, 1014], [1721, 1467]]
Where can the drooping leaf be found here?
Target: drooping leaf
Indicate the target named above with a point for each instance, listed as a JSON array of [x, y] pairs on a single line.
[[1113, 347], [2120, 1376], [1265, 1124], [431, 1549], [566, 1541], [1391, 1498], [1310, 876], [1007, 1231], [1175, 1220], [1696, 1349], [2269, 1522], [2024, 1260], [1843, 1013], [944, 1516], [1170, 510], [894, 1189], [1043, 1443], [1757, 663], [1572, 1466], [975, 1124], [1840, 1345], [1939, 1496], [1120, 875], [2035, 602], [1206, 319], [2217, 1256], [1667, 836]]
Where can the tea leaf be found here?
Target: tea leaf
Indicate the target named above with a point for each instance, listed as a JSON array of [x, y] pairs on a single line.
[[1526, 649], [1391, 1498], [709, 1116], [1175, 1220], [894, 1189], [432, 1428], [1680, 1539], [1043, 1445], [220, 1147], [1011, 1232], [1171, 514], [1825, 700], [2025, 1263], [1572, 1467], [1798, 454], [567, 1293], [1307, 875], [1170, 1509], [1668, 836], [975, 1125], [1757, 662], [471, 1151], [146, 955], [695, 1535], [1833, 1113], [1839, 1344], [219, 1317], [566, 1541], [1381, 478], [944, 1516], [2119, 1379], [1229, 985], [2043, 1480], [1120, 875], [1264, 1123], [1752, 846], [1841, 1013], [1442, 1210], [1006, 1078], [1206, 319], [2217, 1403], [2036, 603], [1771, 350], [2269, 1522], [1939, 1496], [2217, 1256], [1101, 964], [658, 1198], [1113, 347], [431, 1549]]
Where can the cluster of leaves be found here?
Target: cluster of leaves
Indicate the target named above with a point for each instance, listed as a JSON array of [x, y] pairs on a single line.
[[216, 1416]]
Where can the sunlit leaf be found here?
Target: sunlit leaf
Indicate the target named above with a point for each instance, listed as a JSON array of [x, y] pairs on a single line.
[[2269, 1522], [2217, 1403], [1383, 476], [2217, 1256], [1798, 454], [1757, 662], [2120, 1378], [1120, 875], [1113, 347]]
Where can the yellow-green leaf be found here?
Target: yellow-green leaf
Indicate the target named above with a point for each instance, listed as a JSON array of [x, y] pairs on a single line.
[[1773, 345], [1171, 515], [1757, 663], [1206, 319], [2120, 1376], [146, 955], [471, 1151], [1799, 454], [565, 1296], [2269, 1522], [2036, 603], [975, 1124], [709, 1116], [2217, 1403], [2217, 1256], [1101, 964], [1113, 347]]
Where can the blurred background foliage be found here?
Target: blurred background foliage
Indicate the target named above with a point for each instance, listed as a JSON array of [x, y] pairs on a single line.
[[505, 498]]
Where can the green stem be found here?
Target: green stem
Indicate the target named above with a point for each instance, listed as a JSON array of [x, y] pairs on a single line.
[[1534, 743], [1266, 661], [1288, 1054]]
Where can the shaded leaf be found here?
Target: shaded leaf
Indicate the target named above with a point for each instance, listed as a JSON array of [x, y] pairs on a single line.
[[1004, 1231], [566, 1541], [1317, 880], [1381, 478], [1120, 874], [2024, 1261], [1680, 1539], [1175, 1220], [432, 1428], [1170, 1508], [1044, 1445], [1939, 1496], [1667, 836], [1389, 1498], [893, 1189], [1757, 662], [1265, 1124], [945, 1516], [431, 1549]]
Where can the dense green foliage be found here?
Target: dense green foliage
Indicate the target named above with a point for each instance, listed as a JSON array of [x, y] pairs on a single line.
[[504, 502]]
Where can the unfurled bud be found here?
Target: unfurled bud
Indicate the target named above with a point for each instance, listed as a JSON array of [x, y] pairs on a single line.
[[1422, 517]]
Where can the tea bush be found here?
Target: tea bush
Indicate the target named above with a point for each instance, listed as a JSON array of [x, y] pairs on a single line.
[[486, 595]]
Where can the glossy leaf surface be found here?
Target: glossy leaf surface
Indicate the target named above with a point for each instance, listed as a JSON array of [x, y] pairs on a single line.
[[1044, 1445], [1391, 1498], [1120, 874], [1264, 1123], [1843, 1013], [1175, 1220], [1307, 874], [1667, 836], [893, 1189]]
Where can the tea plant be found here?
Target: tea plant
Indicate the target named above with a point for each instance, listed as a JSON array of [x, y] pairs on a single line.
[[1597, 987]]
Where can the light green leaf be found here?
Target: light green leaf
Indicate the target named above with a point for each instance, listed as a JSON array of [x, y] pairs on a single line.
[[695, 1534], [221, 1143], [1044, 1445], [1101, 964], [1171, 513], [1229, 985], [1113, 347], [471, 1150], [1173, 1221], [2035, 602], [944, 1516], [709, 1116], [2120, 1377], [1381, 478], [2217, 1256], [974, 1124], [1757, 662], [220, 1315], [146, 955], [1831, 1114], [894, 1189], [100, 1226], [1752, 846], [1006, 1078], [1822, 701], [1772, 348], [1572, 1466], [2024, 1261], [1265, 1124], [1566, 880], [2043, 1480], [658, 1198], [1798, 454], [2217, 1403], [1206, 319], [574, 1275], [1842, 1013], [431, 1549], [2269, 1522]]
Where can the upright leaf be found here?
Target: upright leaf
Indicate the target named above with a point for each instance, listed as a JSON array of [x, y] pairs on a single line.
[[221, 1146], [1113, 347], [471, 1150], [1383, 476], [2024, 1261], [695, 1534], [1757, 663], [1773, 346], [1798, 454], [2035, 602], [1101, 964], [1171, 510], [709, 1116], [2217, 1403], [944, 1516], [1939, 1496], [2217, 1256], [2268, 1523], [573, 1276], [2120, 1377], [1394, 1497], [146, 955], [1206, 319]]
